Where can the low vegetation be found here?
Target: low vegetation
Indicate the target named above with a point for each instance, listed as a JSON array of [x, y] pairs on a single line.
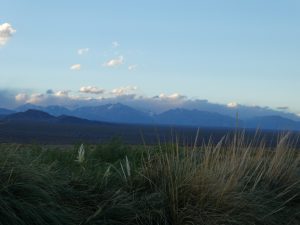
[[233, 182]]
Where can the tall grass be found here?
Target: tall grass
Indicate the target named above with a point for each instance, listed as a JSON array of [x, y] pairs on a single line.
[[232, 182], [229, 183], [30, 192]]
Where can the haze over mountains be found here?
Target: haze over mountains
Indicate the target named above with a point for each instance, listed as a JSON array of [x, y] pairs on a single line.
[[120, 113]]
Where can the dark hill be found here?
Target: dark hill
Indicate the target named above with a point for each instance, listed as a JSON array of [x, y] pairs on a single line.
[[35, 126], [36, 116], [64, 119], [6, 111], [57, 110], [31, 115], [272, 123]]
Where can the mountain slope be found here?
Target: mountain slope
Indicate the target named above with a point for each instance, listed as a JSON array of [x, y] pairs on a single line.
[[195, 118], [57, 110], [117, 113], [25, 107], [35, 116], [54, 110]]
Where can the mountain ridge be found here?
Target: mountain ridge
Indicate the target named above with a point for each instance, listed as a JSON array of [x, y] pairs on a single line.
[[119, 113]]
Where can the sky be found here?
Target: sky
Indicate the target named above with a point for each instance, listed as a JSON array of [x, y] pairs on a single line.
[[229, 52]]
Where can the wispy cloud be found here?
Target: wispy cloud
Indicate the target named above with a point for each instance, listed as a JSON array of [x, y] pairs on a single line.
[[91, 90], [114, 62], [115, 44], [82, 51], [132, 67], [75, 67], [6, 32]]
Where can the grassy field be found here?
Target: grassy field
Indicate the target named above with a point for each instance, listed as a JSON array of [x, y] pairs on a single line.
[[228, 183]]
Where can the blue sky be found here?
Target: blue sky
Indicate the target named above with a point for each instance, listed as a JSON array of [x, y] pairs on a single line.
[[246, 52]]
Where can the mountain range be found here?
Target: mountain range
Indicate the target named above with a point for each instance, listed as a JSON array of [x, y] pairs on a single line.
[[120, 113], [36, 116]]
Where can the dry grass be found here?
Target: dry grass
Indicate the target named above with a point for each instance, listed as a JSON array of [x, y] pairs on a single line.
[[230, 183]]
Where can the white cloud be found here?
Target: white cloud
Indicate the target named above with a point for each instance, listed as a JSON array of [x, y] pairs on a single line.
[[115, 44], [232, 105], [123, 90], [132, 67], [6, 32], [91, 90], [50, 97], [21, 97], [174, 96], [36, 98], [64, 93], [82, 51], [114, 62], [75, 67]]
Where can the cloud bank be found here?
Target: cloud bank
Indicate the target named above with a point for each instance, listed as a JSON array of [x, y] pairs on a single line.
[[129, 95]]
